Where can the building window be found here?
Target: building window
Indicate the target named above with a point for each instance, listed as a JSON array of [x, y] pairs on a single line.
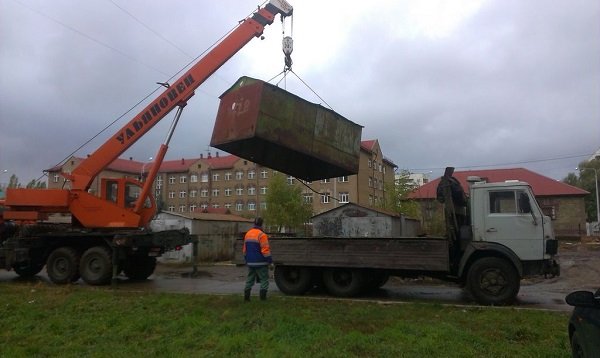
[[215, 205], [370, 163], [194, 178], [263, 174], [343, 179], [215, 177], [228, 192], [325, 198], [182, 194], [263, 206], [182, 208], [204, 177], [308, 198], [290, 180], [182, 179], [193, 193], [55, 178], [239, 175], [204, 206], [239, 191], [159, 180], [251, 206], [251, 174], [239, 206], [172, 179], [344, 197], [158, 186], [157, 193], [370, 200], [370, 182], [193, 208], [228, 176], [171, 195], [251, 190], [204, 193], [171, 208], [228, 206], [325, 181], [215, 193], [263, 190]]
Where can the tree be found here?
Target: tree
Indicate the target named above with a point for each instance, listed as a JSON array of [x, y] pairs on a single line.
[[585, 179], [397, 199], [36, 184], [285, 205], [13, 182]]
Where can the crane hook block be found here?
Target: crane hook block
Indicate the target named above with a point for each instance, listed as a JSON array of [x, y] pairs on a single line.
[[287, 45]]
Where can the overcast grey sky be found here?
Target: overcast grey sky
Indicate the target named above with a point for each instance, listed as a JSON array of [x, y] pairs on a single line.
[[473, 84]]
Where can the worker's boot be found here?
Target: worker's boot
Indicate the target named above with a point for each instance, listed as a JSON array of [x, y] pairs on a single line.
[[263, 295], [247, 295]]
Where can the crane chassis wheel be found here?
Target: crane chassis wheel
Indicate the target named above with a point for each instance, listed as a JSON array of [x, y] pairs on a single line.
[[63, 265], [96, 265]]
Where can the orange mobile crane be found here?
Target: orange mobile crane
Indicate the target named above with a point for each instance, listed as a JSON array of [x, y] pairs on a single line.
[[108, 233]]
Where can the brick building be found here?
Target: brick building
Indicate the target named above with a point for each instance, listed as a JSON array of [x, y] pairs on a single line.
[[563, 203], [236, 184]]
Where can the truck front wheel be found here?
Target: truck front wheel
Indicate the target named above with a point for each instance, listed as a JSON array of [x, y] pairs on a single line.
[[96, 265], [493, 281], [293, 280], [63, 265], [342, 282]]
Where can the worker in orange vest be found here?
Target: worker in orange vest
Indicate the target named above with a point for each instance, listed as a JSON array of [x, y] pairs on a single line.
[[258, 258]]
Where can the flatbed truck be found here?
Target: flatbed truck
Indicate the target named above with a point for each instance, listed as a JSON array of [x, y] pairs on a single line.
[[505, 239]]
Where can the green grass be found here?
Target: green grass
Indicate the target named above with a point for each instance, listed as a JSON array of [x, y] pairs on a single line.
[[46, 321]]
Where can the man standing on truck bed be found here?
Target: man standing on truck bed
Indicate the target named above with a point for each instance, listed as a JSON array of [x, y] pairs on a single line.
[[257, 254], [451, 193]]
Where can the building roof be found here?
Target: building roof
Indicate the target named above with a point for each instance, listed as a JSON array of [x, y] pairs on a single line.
[[541, 185], [377, 210], [167, 166], [369, 145], [209, 216], [222, 162]]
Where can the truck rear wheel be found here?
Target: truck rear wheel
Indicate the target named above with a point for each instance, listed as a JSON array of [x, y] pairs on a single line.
[[342, 282], [139, 268], [63, 265], [96, 265], [493, 281], [293, 280]]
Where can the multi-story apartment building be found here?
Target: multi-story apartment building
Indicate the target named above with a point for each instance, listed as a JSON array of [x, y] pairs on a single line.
[[236, 184]]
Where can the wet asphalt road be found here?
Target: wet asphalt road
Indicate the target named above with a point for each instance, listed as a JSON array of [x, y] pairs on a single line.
[[229, 279]]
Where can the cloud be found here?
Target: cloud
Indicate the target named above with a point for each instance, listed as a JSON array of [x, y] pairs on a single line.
[[464, 83]]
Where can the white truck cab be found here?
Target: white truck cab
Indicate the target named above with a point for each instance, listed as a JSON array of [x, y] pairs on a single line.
[[506, 215]]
